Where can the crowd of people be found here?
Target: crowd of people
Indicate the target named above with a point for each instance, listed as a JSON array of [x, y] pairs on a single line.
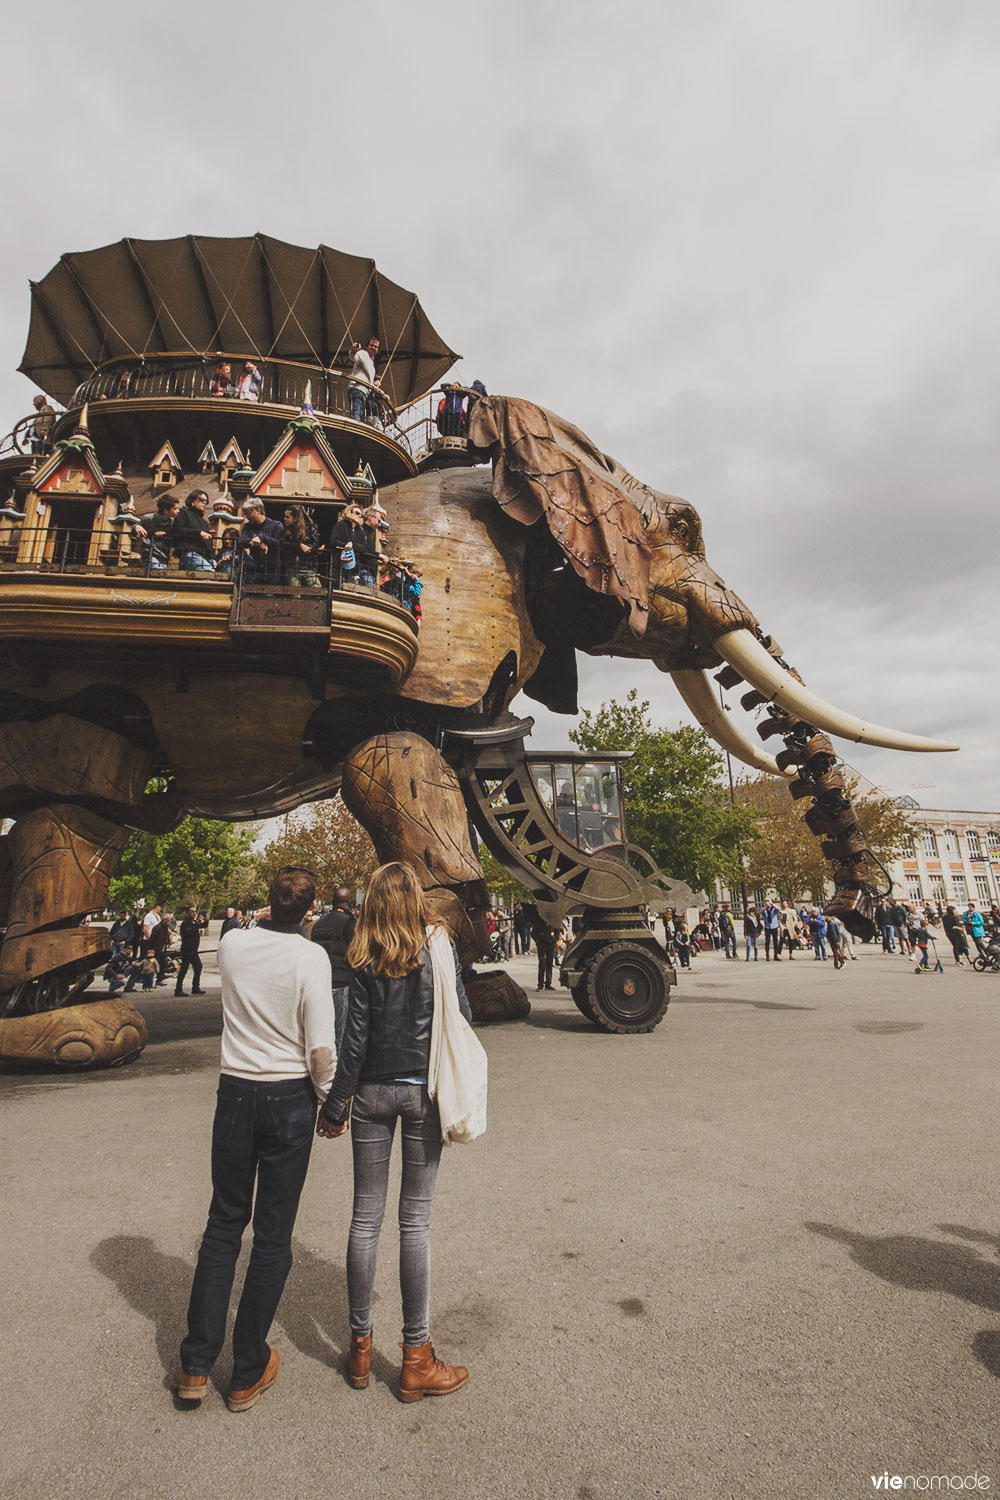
[[909, 928], [269, 551], [142, 950]]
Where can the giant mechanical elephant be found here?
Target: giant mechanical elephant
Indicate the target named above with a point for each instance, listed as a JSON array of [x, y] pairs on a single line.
[[540, 547]]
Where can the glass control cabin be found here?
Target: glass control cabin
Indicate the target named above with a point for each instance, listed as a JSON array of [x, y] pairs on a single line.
[[583, 794]]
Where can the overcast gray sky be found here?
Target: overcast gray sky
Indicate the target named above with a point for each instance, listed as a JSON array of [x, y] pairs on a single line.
[[752, 250]]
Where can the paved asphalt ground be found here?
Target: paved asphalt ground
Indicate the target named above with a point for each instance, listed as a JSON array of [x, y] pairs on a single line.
[[754, 1254]]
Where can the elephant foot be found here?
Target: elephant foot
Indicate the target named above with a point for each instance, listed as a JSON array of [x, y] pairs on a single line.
[[103, 1034], [494, 996]]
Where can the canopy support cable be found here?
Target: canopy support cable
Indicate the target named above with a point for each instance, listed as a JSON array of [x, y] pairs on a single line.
[[146, 292]]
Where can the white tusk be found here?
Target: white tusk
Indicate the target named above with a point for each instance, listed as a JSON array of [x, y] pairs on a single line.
[[697, 692], [744, 652]]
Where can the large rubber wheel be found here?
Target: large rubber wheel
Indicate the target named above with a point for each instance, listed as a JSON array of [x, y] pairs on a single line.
[[583, 1005], [979, 964], [628, 988]]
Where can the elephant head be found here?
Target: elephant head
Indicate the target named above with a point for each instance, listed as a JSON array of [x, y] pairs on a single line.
[[643, 552], [624, 572]]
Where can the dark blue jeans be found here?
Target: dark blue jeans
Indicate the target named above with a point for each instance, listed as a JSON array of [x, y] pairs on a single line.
[[263, 1134]]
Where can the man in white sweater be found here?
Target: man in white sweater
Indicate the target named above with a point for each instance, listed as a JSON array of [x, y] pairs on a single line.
[[278, 1060]]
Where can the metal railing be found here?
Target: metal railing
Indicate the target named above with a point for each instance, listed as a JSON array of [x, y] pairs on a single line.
[[281, 383], [21, 438], [438, 420], [117, 550]]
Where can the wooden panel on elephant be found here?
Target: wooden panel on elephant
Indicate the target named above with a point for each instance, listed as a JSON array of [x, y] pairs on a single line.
[[37, 953], [230, 734], [471, 555], [98, 1035], [71, 757], [62, 858]]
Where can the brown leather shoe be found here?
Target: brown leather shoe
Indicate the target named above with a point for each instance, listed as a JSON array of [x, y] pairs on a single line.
[[423, 1375], [189, 1387], [359, 1360], [251, 1394]]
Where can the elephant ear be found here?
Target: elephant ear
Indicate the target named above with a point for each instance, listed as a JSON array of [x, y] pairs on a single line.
[[595, 510]]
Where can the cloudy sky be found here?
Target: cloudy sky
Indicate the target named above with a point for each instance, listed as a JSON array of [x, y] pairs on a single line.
[[751, 249]]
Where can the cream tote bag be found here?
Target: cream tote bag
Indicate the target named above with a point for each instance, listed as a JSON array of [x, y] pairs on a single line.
[[457, 1074]]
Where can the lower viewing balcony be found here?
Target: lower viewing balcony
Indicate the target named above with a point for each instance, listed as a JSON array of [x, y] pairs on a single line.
[[75, 593]]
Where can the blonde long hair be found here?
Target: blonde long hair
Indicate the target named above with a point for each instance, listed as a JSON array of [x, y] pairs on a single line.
[[390, 929]]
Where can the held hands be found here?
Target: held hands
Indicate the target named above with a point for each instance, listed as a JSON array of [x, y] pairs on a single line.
[[328, 1130]]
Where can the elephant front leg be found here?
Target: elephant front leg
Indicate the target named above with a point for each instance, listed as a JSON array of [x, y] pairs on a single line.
[[408, 799]]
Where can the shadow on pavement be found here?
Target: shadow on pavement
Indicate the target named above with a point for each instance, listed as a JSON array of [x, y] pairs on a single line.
[[312, 1312], [709, 999], [924, 1265]]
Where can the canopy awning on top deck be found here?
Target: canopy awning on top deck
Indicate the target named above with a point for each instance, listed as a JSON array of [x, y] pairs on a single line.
[[255, 296]]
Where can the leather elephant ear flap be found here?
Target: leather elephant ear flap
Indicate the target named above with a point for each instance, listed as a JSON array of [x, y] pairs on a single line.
[[543, 466]]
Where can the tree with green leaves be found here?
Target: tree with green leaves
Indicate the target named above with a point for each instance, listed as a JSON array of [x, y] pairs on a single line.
[[677, 804], [195, 864]]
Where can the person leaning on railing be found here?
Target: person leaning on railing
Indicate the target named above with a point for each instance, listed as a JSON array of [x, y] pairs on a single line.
[[259, 543], [353, 545], [156, 532], [192, 538], [300, 548]]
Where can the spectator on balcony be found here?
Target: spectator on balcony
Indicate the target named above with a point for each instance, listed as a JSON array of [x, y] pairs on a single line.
[[41, 427], [363, 383], [477, 392], [222, 380], [259, 544], [351, 535], [299, 549], [250, 382], [156, 531], [192, 538]]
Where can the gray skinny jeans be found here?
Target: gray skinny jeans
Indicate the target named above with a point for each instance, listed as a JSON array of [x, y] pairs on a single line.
[[377, 1106]]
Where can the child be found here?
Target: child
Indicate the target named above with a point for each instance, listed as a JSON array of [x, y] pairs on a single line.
[[682, 939], [148, 969], [921, 937]]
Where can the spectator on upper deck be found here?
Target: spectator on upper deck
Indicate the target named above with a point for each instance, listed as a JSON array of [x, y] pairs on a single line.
[[259, 543], [222, 380], [363, 382], [249, 383], [192, 538], [41, 427]]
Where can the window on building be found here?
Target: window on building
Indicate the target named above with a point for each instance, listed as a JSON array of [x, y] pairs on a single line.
[[975, 846], [929, 843], [938, 892], [983, 893], [951, 843], [909, 847], [913, 891], [993, 844], [961, 892]]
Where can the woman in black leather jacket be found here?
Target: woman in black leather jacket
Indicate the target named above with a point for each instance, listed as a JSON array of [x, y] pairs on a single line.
[[383, 1066]]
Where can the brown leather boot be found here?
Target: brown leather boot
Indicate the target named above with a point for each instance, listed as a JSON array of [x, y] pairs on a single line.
[[359, 1360], [423, 1375]]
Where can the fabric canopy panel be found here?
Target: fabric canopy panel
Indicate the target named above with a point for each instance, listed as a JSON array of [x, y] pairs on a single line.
[[256, 296]]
